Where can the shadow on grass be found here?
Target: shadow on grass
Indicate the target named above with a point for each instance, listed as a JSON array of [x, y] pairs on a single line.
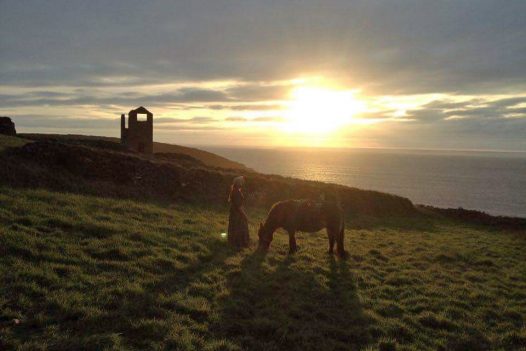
[[139, 314], [419, 222], [284, 305]]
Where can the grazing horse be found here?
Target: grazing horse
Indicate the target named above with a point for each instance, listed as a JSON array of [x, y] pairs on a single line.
[[305, 216]]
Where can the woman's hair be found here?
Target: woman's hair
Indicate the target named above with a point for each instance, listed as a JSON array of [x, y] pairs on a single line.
[[236, 185], [232, 189]]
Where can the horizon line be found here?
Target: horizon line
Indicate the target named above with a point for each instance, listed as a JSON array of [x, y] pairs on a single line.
[[304, 147]]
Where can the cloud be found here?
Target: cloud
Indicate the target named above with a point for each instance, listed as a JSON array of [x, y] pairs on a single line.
[[65, 123], [193, 127], [236, 119], [385, 46], [198, 95], [245, 107], [476, 109], [516, 112], [510, 102], [488, 124], [187, 95], [268, 119], [262, 119], [259, 91], [183, 95], [202, 120], [384, 114], [193, 120], [106, 55]]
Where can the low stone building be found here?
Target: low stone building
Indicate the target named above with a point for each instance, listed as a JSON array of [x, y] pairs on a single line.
[[7, 126], [138, 136]]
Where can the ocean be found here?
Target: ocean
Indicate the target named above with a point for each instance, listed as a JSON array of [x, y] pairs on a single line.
[[493, 182]]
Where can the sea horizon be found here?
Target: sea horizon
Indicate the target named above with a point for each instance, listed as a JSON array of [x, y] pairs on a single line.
[[488, 181], [344, 148]]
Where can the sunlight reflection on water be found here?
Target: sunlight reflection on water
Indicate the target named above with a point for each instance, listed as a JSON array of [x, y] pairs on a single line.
[[491, 182]]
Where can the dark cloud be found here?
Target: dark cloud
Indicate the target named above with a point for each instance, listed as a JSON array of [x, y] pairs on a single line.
[[235, 119], [431, 129], [426, 115], [193, 127], [448, 104], [477, 109], [516, 111], [259, 92], [510, 102], [74, 123], [386, 46], [193, 120], [202, 120], [247, 107], [255, 119], [198, 94], [268, 119], [65, 123], [184, 95], [479, 113], [386, 114]]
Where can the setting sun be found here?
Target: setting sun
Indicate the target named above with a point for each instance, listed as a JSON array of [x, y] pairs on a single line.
[[321, 110]]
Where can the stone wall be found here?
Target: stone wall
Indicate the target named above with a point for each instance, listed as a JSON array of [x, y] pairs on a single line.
[[139, 134], [7, 126]]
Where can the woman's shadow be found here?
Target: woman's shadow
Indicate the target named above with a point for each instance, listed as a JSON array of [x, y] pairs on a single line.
[[278, 303]]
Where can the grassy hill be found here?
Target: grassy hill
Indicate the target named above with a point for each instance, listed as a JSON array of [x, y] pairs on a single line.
[[102, 249], [98, 166], [91, 273], [11, 142], [208, 158]]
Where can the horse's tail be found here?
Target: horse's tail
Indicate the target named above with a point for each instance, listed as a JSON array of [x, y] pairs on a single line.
[[341, 233], [342, 225]]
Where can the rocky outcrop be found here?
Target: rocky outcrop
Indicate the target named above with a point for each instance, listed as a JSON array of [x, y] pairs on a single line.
[[7, 126]]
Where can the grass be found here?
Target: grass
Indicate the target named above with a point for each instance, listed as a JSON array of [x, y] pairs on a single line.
[[7, 141], [88, 273], [208, 158]]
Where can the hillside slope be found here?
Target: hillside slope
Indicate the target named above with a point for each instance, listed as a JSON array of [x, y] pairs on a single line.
[[208, 158], [91, 273], [11, 142], [102, 167]]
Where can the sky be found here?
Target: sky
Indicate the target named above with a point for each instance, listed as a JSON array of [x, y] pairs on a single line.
[[332, 73]]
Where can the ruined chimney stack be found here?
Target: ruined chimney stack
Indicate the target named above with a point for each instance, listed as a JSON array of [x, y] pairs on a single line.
[[139, 134]]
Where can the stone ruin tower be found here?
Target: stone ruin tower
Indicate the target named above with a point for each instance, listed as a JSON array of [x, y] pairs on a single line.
[[139, 134]]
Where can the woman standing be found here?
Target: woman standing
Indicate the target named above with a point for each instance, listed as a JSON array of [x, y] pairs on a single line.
[[238, 220]]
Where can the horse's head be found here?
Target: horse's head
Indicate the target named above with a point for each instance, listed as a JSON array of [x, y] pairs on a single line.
[[265, 237]]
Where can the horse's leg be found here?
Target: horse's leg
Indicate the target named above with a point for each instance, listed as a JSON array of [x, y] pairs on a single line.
[[292, 242], [330, 234], [339, 243]]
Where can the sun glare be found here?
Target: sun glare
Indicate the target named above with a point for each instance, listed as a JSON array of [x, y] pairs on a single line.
[[321, 110]]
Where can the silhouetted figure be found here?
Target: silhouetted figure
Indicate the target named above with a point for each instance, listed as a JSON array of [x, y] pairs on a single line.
[[238, 220]]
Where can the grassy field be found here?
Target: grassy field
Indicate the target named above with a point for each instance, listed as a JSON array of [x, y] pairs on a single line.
[[82, 272]]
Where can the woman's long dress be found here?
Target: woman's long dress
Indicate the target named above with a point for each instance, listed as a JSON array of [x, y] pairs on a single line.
[[237, 224]]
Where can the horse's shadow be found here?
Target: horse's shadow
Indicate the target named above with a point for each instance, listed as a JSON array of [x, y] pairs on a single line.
[[278, 303]]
